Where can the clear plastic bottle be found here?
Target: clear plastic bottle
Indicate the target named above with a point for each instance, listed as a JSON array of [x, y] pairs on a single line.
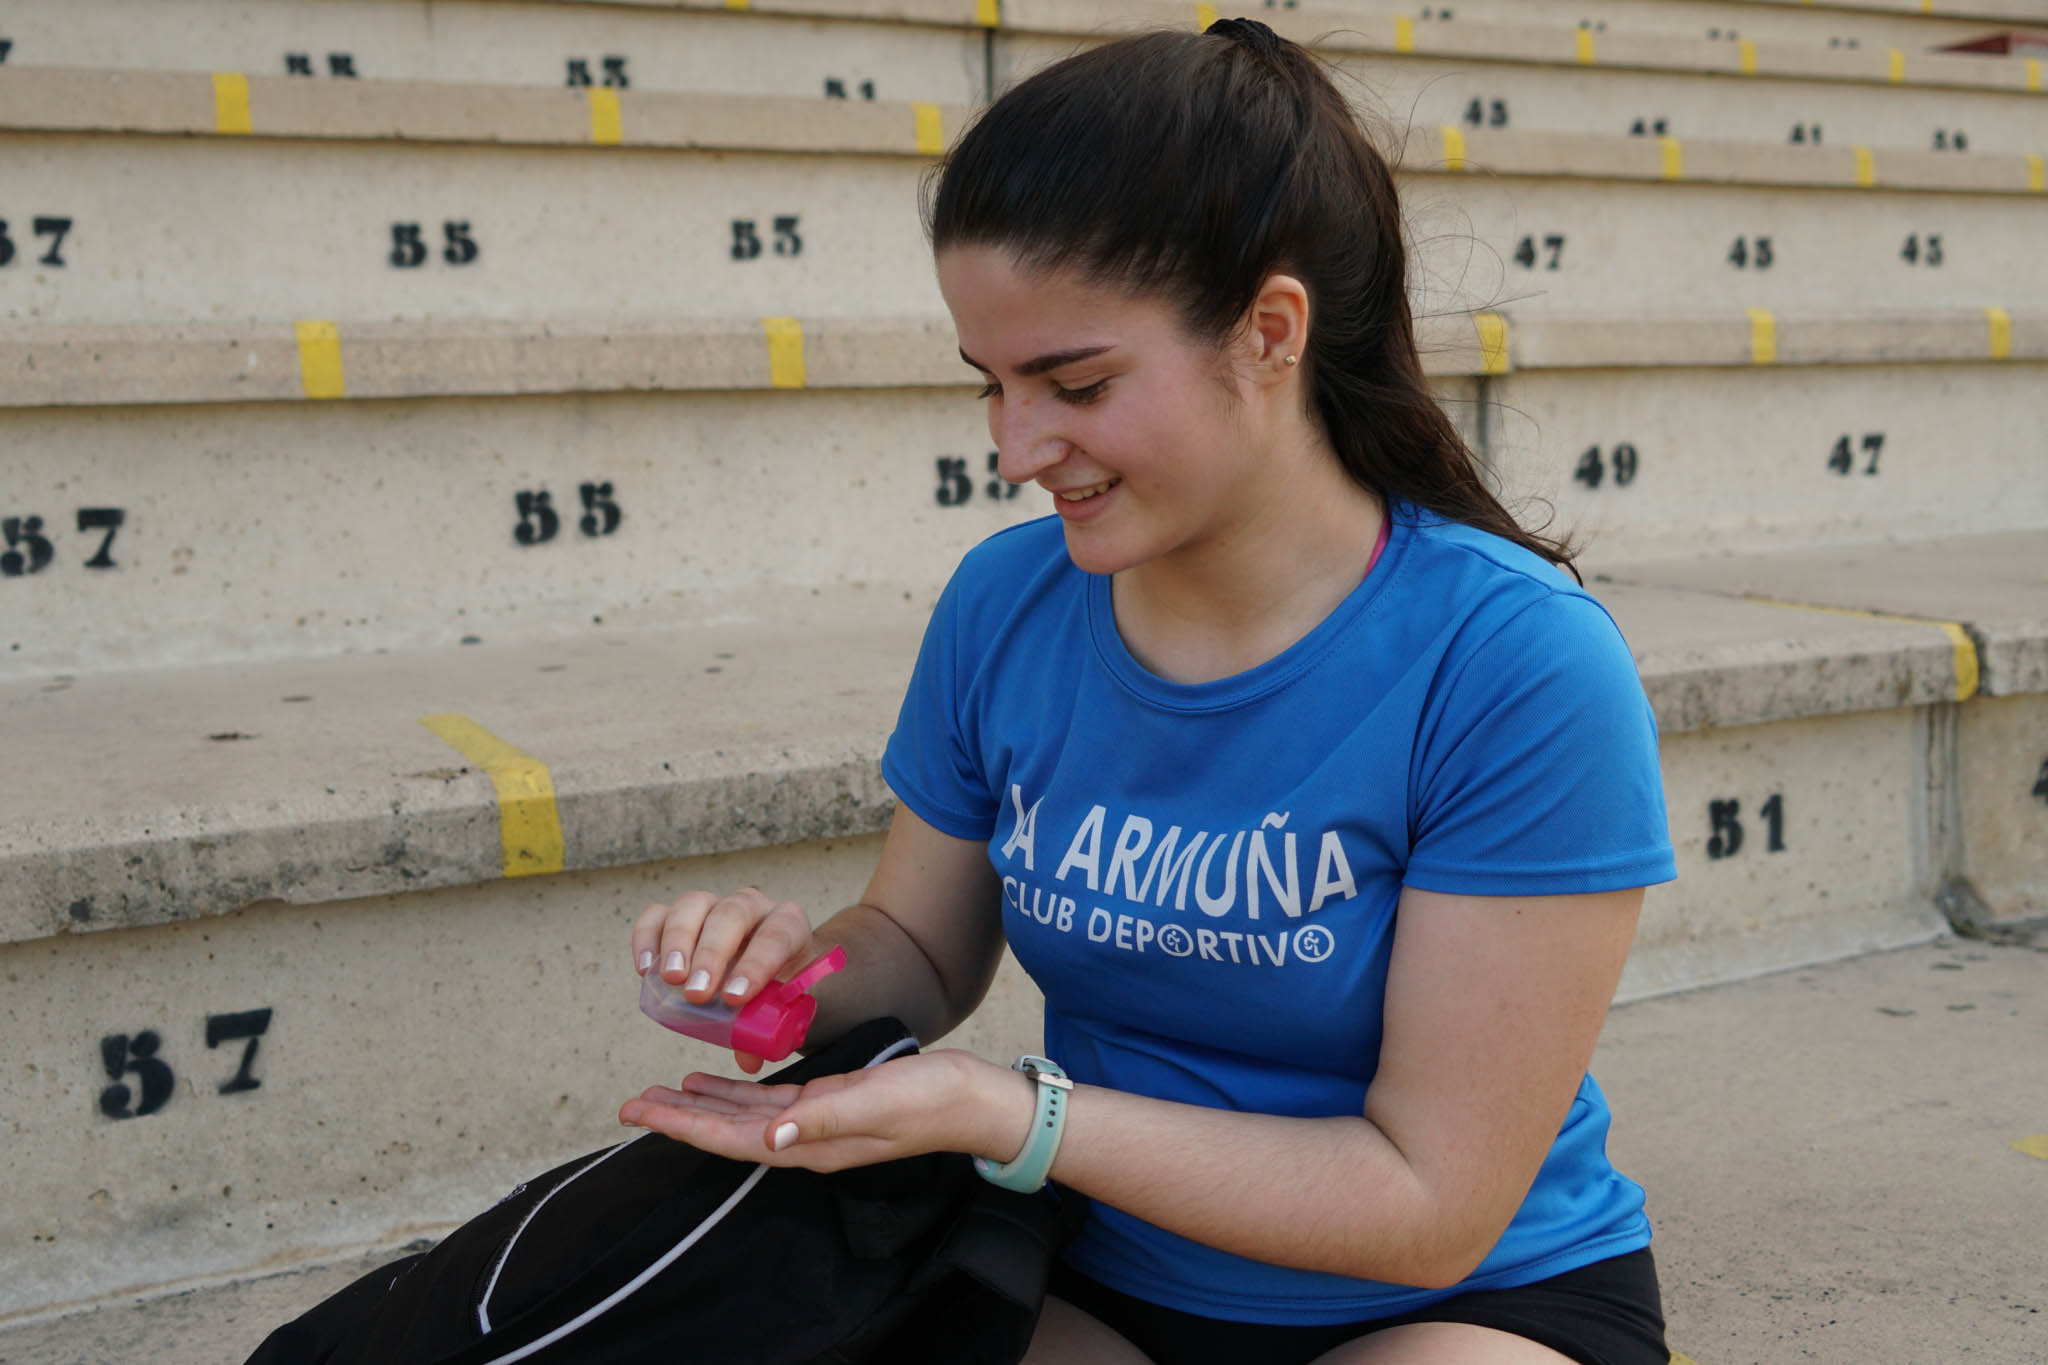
[[771, 1025]]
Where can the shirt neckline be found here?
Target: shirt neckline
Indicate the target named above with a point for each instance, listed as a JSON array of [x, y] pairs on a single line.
[[1241, 689]]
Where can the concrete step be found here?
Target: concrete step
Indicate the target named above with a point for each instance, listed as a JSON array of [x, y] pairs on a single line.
[[337, 859], [2026, 11], [1986, 829], [409, 215], [946, 49], [1617, 427], [1906, 23], [1476, 95], [1676, 463], [1614, 426], [1484, 77], [708, 47], [358, 526], [1558, 35], [1868, 1194]]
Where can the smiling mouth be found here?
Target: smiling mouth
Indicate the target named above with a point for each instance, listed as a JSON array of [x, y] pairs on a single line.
[[1083, 494]]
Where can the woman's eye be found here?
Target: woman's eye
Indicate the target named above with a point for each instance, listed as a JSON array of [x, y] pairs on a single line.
[[1075, 396]]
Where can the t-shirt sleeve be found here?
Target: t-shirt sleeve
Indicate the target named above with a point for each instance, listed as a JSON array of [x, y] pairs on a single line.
[[929, 761], [1540, 774]]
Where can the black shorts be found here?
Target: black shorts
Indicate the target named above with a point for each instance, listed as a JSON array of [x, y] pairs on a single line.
[[1606, 1313]]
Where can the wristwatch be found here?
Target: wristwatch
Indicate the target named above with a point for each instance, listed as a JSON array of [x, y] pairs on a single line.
[[1027, 1171]]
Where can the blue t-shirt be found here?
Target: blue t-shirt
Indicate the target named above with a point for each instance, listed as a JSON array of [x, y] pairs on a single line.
[[1202, 879]]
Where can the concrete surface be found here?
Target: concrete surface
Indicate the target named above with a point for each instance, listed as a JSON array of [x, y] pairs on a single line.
[[665, 48], [314, 781], [855, 246], [1829, 1155], [1796, 841], [659, 511], [1829, 1159], [1996, 584], [1686, 488], [2001, 808]]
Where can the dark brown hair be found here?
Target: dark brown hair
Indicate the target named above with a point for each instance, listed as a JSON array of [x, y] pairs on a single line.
[[1190, 168]]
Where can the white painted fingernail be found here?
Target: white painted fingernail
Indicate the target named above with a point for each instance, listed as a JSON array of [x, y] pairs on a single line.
[[785, 1135], [646, 959], [697, 982], [736, 986], [674, 961]]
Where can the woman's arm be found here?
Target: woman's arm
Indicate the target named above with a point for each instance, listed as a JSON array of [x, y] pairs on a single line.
[[924, 942], [1493, 1007]]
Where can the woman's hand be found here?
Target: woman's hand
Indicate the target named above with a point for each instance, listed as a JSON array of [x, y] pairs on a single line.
[[943, 1101], [723, 947]]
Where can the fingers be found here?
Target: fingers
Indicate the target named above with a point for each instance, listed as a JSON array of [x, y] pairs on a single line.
[[725, 947], [726, 1088], [830, 1123], [779, 942], [652, 928]]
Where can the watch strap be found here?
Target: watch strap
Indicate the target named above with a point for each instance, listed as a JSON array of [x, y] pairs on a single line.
[[1027, 1171]]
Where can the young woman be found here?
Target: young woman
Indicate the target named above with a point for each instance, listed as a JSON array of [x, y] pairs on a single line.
[[1316, 795]]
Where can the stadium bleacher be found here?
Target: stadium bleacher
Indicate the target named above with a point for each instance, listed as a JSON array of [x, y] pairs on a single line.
[[473, 469]]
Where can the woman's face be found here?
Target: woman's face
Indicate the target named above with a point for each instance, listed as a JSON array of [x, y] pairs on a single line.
[[1101, 400]]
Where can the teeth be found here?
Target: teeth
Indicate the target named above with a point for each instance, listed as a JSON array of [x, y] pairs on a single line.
[[1082, 493]]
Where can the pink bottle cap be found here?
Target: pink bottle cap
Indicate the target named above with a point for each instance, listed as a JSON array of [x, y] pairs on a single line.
[[772, 1025]]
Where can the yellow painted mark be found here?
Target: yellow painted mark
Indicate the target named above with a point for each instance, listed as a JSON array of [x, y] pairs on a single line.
[[1966, 659], [2001, 332], [1585, 47], [1404, 33], [1927, 6], [1964, 649], [1866, 167], [231, 102], [1674, 158], [1680, 1357], [1205, 15], [320, 359], [931, 138], [1898, 66], [606, 126], [2037, 174], [1748, 56], [1454, 146], [988, 13], [2036, 1145], [739, 4], [1493, 343], [785, 352], [529, 826], [2033, 73], [1763, 337]]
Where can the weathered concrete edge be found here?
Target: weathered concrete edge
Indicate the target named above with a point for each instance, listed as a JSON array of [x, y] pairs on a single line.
[[392, 848], [2014, 658], [1759, 684], [124, 364]]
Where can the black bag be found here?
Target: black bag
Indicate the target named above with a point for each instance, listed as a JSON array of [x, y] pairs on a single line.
[[656, 1251]]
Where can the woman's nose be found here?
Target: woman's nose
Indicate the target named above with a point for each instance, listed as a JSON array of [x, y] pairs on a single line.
[[1026, 443]]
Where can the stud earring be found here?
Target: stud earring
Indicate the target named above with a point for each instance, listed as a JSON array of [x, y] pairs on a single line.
[[1291, 359]]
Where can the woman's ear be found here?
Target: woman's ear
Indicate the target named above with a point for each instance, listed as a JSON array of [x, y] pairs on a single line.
[[1279, 327]]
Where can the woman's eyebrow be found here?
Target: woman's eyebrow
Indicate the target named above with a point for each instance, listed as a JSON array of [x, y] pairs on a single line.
[[1050, 361]]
